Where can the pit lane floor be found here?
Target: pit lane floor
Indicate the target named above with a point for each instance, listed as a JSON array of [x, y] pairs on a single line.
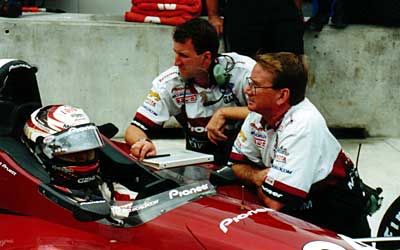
[[379, 166]]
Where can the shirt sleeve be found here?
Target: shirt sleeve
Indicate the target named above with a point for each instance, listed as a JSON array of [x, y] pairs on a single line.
[[244, 149], [157, 108]]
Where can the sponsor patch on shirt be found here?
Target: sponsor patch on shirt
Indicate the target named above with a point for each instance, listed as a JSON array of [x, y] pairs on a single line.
[[150, 102], [242, 137], [150, 110], [282, 169], [153, 96], [178, 93], [281, 150], [280, 158], [259, 138], [270, 181]]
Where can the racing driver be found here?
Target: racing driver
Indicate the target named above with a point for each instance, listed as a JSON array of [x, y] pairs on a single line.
[[67, 145]]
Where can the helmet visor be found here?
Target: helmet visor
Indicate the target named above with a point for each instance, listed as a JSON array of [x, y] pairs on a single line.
[[72, 140]]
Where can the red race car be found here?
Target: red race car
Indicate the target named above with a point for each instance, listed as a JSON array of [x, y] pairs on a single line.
[[174, 209]]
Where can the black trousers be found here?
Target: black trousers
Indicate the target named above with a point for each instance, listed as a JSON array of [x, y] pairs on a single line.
[[263, 26], [339, 210], [355, 226]]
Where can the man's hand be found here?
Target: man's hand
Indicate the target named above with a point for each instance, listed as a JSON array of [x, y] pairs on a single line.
[[218, 23], [259, 177], [216, 126], [143, 148]]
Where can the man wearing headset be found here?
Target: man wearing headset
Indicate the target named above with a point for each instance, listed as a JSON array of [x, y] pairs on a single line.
[[204, 91]]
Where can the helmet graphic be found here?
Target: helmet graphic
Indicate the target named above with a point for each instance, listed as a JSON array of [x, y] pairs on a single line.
[[66, 143]]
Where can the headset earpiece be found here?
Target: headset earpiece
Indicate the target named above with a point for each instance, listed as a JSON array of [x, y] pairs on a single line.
[[220, 75]]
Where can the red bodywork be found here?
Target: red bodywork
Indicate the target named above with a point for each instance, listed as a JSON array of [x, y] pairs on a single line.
[[212, 222]]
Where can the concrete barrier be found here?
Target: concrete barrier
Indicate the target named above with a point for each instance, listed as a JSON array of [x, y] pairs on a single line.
[[106, 65], [355, 77]]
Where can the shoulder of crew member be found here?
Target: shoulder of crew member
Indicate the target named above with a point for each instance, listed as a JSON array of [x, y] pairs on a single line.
[[168, 77], [167, 81], [241, 61], [304, 117]]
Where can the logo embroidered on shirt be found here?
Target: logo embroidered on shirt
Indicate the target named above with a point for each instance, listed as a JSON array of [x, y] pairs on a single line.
[[281, 150]]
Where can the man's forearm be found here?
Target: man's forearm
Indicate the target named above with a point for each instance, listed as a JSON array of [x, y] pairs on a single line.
[[256, 177], [234, 113], [250, 174], [212, 7], [134, 134]]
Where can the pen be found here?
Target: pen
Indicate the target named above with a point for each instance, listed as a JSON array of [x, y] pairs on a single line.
[[157, 156]]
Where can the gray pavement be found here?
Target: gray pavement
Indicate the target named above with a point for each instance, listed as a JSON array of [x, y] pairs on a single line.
[[379, 166]]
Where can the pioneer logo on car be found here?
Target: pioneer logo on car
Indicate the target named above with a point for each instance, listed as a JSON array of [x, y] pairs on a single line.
[[194, 190], [224, 224], [9, 170]]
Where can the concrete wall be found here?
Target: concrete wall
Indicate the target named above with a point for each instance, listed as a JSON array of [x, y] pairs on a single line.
[[355, 77], [105, 65]]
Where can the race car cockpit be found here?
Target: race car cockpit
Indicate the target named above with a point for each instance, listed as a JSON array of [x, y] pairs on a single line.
[[161, 191]]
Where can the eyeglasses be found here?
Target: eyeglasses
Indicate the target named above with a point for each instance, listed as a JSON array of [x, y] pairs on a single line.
[[254, 87]]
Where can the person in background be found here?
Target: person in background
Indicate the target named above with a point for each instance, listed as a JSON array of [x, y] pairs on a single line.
[[286, 151], [261, 26], [204, 91], [326, 8]]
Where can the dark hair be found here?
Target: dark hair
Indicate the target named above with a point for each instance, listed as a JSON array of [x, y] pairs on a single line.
[[289, 71], [203, 34]]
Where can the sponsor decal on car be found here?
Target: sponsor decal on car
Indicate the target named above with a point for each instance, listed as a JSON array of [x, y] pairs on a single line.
[[185, 192], [17, 66], [9, 170], [322, 245], [144, 205], [92, 202], [225, 223]]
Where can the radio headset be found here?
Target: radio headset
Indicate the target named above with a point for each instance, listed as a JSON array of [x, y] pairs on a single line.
[[222, 77]]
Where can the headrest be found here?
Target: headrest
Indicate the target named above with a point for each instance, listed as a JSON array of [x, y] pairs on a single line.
[[19, 95], [18, 82]]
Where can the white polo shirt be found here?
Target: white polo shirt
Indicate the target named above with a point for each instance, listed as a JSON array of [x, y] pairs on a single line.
[[300, 152]]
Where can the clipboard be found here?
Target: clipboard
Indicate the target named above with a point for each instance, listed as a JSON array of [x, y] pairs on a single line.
[[178, 158]]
